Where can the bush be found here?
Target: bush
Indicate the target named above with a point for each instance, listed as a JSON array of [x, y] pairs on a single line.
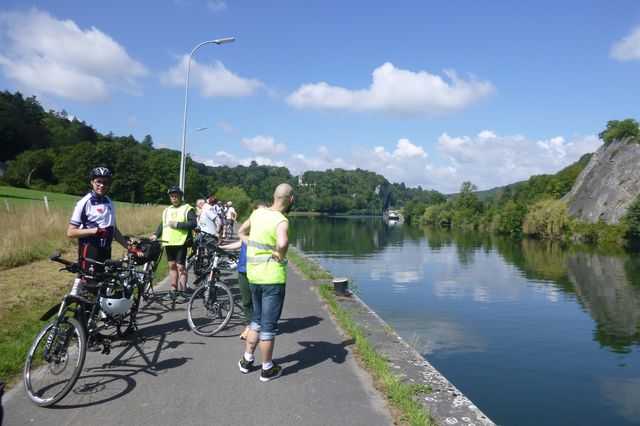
[[632, 220], [547, 219], [619, 130]]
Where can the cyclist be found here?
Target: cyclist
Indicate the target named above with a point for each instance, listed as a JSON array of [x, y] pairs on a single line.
[[93, 221], [231, 218], [178, 220]]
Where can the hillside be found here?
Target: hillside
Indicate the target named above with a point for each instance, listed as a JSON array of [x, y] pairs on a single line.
[[608, 185]]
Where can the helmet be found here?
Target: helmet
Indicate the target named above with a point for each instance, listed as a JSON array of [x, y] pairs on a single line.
[[174, 189], [229, 203], [115, 306], [100, 172]]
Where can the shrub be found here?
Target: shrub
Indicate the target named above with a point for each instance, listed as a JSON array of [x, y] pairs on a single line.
[[547, 219], [619, 130]]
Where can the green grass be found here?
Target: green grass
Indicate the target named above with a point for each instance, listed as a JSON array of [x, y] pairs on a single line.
[[20, 198], [400, 394]]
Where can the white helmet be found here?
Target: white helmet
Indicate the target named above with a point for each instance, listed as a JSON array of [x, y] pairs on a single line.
[[115, 306], [229, 203]]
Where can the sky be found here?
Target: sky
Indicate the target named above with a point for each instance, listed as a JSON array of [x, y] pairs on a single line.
[[429, 93]]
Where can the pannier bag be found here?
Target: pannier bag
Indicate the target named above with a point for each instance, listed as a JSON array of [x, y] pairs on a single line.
[[151, 251]]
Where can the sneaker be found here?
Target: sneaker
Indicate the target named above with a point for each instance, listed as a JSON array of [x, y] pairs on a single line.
[[173, 295], [273, 373], [184, 295], [245, 333], [244, 365]]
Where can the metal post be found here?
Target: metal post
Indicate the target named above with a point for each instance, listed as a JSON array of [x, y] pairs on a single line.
[[183, 158]]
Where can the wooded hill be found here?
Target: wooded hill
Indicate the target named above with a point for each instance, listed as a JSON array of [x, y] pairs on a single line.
[[50, 151]]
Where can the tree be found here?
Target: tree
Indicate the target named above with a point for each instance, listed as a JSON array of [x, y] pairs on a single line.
[[620, 129], [29, 166]]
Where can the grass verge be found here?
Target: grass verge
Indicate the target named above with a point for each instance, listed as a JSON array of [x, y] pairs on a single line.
[[399, 394]]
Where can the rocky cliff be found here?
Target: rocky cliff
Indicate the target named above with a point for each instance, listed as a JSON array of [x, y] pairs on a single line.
[[605, 189]]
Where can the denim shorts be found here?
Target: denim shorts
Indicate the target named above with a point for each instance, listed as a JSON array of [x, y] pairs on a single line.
[[268, 300]]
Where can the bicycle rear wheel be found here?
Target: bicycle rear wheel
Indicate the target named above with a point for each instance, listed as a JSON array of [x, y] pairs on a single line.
[[49, 383], [127, 323], [210, 309]]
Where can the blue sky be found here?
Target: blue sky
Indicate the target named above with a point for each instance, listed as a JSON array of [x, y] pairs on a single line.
[[429, 93]]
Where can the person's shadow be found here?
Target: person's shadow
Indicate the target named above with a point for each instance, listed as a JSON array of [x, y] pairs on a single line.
[[291, 325], [313, 353]]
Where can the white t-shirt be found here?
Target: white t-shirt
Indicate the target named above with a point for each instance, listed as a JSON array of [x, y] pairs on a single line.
[[231, 212]]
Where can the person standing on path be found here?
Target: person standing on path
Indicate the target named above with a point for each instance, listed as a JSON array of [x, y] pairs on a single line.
[[266, 235], [243, 281], [93, 221], [178, 220]]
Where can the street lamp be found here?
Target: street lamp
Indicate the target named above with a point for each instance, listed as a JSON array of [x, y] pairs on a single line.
[[183, 158]]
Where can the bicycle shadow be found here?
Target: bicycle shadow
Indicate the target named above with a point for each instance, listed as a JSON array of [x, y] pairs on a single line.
[[315, 352], [115, 378]]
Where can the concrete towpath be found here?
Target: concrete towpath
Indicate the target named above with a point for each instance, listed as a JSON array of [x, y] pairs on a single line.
[[171, 376]]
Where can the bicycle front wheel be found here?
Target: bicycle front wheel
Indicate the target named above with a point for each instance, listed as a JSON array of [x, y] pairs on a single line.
[[210, 309], [48, 379]]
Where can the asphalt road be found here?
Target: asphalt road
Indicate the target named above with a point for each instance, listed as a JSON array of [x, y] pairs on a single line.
[[171, 376]]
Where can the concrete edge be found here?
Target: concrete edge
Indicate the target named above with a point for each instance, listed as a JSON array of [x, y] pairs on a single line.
[[446, 404]]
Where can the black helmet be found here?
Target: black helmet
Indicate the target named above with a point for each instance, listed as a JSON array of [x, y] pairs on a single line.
[[174, 189], [100, 172]]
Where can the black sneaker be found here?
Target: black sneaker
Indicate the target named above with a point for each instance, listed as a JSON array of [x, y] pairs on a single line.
[[273, 373], [244, 365]]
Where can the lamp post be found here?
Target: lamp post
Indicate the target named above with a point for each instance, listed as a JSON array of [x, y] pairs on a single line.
[[183, 158]]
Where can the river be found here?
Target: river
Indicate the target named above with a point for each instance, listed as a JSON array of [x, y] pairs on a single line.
[[534, 333]]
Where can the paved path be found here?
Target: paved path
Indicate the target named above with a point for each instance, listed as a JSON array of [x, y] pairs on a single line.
[[171, 376]]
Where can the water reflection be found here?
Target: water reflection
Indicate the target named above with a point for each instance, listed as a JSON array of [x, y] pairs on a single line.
[[547, 325], [607, 285]]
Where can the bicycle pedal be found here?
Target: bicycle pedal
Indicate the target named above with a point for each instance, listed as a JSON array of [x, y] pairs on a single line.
[[106, 350]]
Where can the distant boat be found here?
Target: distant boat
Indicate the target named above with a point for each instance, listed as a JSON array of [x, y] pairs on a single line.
[[394, 215]]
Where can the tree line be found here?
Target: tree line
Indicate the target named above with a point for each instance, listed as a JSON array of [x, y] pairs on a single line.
[[50, 151]]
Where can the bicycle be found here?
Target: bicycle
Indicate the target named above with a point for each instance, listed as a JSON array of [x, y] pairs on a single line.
[[211, 306], [146, 254], [111, 296], [199, 260]]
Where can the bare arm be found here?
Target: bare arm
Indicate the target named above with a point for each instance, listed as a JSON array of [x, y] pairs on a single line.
[[74, 231], [243, 231], [117, 235], [282, 240], [232, 246]]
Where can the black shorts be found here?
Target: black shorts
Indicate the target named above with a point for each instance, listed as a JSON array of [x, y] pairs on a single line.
[[177, 254]]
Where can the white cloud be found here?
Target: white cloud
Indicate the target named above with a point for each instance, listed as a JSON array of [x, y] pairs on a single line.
[[263, 145], [216, 5], [398, 92], [211, 80], [226, 127], [628, 48], [487, 159], [223, 158], [45, 55]]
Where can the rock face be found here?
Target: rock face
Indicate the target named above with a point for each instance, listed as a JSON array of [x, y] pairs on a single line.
[[609, 184]]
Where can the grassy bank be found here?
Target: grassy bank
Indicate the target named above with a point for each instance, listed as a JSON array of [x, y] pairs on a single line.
[[31, 233], [400, 395], [29, 290]]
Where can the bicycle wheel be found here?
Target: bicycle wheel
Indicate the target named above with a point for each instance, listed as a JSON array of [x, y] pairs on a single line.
[[149, 271], [210, 309], [49, 383], [127, 323]]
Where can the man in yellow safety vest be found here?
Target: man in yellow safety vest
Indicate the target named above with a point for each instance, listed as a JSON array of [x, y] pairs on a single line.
[[266, 234], [178, 220]]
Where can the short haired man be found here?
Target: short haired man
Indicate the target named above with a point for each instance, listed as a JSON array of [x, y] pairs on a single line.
[[266, 234], [178, 220]]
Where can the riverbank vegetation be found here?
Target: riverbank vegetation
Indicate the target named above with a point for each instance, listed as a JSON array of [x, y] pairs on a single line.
[[532, 208]]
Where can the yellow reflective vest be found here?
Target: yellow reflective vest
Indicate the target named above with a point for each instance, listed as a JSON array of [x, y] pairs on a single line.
[[175, 236], [261, 268]]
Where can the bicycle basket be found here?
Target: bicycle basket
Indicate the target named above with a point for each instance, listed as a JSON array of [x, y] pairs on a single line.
[[151, 251]]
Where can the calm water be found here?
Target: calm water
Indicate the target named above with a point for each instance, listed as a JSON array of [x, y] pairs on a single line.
[[534, 333]]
